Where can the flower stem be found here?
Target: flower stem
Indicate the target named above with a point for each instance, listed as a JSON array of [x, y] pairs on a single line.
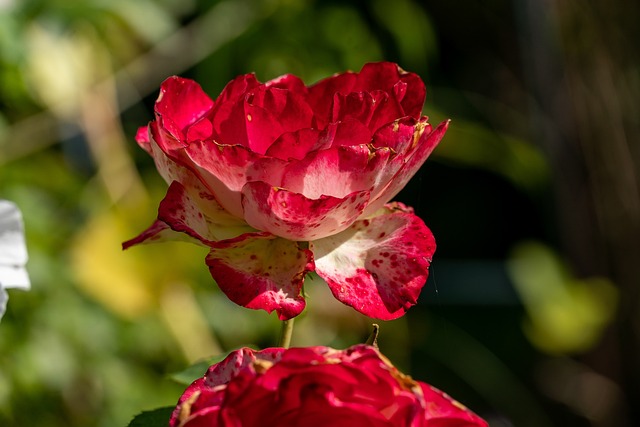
[[373, 338], [285, 333]]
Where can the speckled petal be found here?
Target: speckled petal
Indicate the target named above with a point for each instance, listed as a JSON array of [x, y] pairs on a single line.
[[377, 266], [295, 217], [408, 165], [261, 271], [225, 169], [337, 172], [193, 212], [181, 103]]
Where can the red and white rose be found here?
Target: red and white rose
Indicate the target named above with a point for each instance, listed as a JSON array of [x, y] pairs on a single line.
[[315, 386], [279, 179]]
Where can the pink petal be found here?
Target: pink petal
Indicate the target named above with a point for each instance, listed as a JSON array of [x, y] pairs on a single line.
[[293, 216], [408, 165], [223, 372], [337, 172], [181, 102], [159, 231], [379, 265], [225, 169], [143, 139], [261, 271], [193, 212]]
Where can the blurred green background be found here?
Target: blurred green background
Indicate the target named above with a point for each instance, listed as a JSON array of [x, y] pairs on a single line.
[[531, 314]]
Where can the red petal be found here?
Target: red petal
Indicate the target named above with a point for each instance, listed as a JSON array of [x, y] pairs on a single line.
[[271, 111], [229, 123], [288, 82], [377, 76], [443, 409], [337, 172], [225, 169], [159, 231], [414, 95], [347, 132], [379, 265], [408, 164], [372, 109], [236, 89], [294, 145], [324, 90], [143, 139], [193, 212], [296, 217], [182, 102], [261, 271]]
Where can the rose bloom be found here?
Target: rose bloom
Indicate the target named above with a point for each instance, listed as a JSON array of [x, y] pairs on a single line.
[[279, 179], [315, 386]]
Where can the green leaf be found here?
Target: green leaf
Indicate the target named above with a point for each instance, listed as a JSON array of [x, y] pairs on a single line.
[[155, 418]]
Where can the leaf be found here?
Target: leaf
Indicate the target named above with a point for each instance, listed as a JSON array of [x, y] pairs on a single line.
[[154, 418]]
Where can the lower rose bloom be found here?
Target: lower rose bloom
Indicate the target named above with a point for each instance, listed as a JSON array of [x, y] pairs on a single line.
[[315, 386]]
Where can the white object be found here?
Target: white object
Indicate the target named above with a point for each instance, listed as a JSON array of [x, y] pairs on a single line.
[[13, 252]]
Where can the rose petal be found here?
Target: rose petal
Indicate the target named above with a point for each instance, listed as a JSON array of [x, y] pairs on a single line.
[[377, 76], [409, 165], [324, 90], [346, 132], [143, 139], [227, 115], [181, 103], [225, 169], [441, 408], [412, 97], [193, 212], [372, 109], [202, 129], [271, 111], [350, 168], [236, 89], [294, 145], [379, 265], [230, 123], [288, 82], [261, 271], [293, 216]]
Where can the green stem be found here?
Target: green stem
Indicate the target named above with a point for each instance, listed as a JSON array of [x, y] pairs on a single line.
[[285, 333]]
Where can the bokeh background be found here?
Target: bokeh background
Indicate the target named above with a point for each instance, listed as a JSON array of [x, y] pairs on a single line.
[[531, 314]]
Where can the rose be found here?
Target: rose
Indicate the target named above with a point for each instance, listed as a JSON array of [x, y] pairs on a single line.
[[315, 386], [279, 179], [13, 252]]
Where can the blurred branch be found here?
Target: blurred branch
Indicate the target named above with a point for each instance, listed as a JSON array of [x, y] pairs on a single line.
[[183, 49]]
